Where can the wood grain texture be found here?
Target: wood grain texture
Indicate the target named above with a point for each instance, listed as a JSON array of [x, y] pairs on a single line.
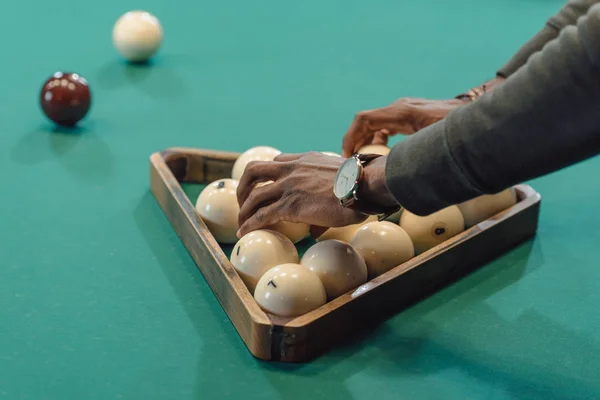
[[250, 321], [301, 339]]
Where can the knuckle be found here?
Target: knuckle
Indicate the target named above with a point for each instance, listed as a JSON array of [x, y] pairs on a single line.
[[260, 215], [402, 101], [286, 167], [252, 166], [361, 116]]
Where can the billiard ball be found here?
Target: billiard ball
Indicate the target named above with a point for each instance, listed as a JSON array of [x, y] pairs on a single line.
[[395, 217], [257, 153], [429, 231], [483, 207], [338, 265], [258, 251], [344, 233], [383, 245], [289, 290], [218, 208], [65, 98], [295, 231], [137, 36], [374, 149]]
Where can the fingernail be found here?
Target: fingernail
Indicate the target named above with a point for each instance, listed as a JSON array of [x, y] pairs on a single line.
[[238, 234]]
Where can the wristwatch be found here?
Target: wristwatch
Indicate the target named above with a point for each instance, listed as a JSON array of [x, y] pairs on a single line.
[[347, 184]]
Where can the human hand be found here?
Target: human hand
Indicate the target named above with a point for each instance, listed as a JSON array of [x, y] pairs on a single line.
[[406, 115], [301, 190]]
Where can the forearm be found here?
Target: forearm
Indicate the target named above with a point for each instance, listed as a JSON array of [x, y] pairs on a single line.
[[567, 15], [543, 118]]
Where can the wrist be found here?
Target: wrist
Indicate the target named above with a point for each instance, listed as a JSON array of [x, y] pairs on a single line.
[[373, 188]]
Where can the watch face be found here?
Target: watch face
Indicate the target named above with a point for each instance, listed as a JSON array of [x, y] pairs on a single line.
[[346, 178]]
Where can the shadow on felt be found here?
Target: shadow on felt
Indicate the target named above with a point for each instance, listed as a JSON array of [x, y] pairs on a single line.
[[437, 334]]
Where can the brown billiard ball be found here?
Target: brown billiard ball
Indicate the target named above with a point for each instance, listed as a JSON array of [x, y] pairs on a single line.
[[65, 98]]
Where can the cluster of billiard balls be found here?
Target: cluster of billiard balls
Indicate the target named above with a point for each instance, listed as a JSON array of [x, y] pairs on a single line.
[[65, 97], [342, 259]]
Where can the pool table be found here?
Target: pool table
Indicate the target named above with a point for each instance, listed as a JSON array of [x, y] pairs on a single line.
[[99, 299]]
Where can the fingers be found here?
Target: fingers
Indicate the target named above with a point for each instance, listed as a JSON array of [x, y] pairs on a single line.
[[258, 172], [381, 137], [382, 122], [356, 135], [287, 157], [262, 218], [259, 197]]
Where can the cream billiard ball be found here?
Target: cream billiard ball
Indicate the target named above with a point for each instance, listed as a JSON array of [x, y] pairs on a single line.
[[137, 35], [344, 233], [383, 245], [338, 265], [374, 149], [289, 290], [429, 231], [258, 153], [258, 251], [395, 217], [295, 231], [218, 207], [483, 207]]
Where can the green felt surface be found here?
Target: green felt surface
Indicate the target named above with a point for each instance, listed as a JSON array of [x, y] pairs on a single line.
[[100, 300]]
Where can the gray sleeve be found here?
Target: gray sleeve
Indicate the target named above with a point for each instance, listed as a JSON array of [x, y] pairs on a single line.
[[567, 15], [543, 118]]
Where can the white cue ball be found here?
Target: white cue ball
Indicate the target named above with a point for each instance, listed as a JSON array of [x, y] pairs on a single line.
[[383, 245], [137, 36], [483, 207], [374, 149], [344, 233], [289, 290], [258, 153], [338, 265], [218, 207], [429, 231], [259, 251]]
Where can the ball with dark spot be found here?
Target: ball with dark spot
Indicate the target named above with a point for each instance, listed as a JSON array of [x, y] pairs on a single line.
[[65, 98]]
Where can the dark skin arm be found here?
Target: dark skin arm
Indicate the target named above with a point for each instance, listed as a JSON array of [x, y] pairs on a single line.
[[406, 116], [302, 188], [302, 191]]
